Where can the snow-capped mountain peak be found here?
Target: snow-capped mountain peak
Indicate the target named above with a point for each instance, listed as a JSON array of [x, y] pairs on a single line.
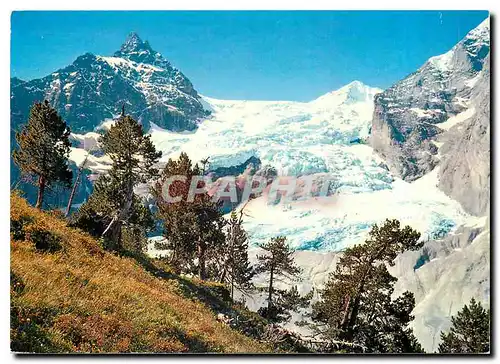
[[408, 114], [95, 87], [475, 44], [134, 43], [481, 32], [353, 92]]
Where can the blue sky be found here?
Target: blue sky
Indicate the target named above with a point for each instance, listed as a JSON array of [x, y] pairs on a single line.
[[286, 55]]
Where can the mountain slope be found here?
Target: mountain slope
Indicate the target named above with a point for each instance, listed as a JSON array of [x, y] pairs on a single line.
[[68, 295], [408, 115], [94, 88], [444, 275], [433, 129]]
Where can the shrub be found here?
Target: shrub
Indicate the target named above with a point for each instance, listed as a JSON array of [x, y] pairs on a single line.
[[96, 333], [16, 284], [44, 240], [18, 226], [28, 330]]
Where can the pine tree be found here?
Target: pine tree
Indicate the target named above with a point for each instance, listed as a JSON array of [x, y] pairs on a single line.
[[113, 204], [356, 306], [44, 149], [193, 229], [470, 331], [278, 262], [237, 270]]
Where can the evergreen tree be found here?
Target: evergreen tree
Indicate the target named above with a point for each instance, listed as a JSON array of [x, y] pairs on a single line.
[[193, 229], [44, 148], [277, 261], [237, 270], [356, 306], [113, 204], [470, 331]]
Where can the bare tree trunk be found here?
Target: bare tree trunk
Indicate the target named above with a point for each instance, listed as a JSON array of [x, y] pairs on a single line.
[[108, 228], [75, 185], [352, 309], [115, 235], [41, 190], [201, 261], [223, 275], [347, 309], [270, 293], [113, 230]]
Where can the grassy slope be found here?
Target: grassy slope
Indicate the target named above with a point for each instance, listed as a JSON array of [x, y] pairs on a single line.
[[81, 298]]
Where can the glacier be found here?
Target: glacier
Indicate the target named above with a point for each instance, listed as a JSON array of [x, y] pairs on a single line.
[[324, 137]]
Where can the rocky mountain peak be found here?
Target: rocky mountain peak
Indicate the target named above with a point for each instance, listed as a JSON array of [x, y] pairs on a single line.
[[94, 88], [408, 115], [481, 32], [137, 50], [468, 53], [134, 44]]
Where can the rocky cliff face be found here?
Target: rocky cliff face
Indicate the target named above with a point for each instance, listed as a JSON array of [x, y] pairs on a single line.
[[446, 275], [464, 171], [408, 115], [94, 88]]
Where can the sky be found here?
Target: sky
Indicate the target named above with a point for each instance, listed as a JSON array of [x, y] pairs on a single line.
[[253, 55]]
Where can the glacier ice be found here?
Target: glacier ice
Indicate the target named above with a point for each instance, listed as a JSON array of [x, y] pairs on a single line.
[[318, 138]]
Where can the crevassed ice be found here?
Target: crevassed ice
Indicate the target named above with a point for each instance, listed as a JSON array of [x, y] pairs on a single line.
[[325, 136]]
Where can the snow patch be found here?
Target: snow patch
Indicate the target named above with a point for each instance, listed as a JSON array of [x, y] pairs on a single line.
[[457, 119], [442, 62]]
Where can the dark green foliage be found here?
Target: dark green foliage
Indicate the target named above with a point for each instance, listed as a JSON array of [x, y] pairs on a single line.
[[29, 330], [23, 228], [236, 269], [16, 284], [17, 227], [194, 229], [134, 239], [356, 304], [277, 261], [113, 205], [285, 302], [43, 149], [470, 331], [44, 240]]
